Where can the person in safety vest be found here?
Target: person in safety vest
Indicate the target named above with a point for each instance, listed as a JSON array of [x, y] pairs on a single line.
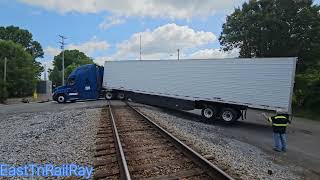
[[279, 124]]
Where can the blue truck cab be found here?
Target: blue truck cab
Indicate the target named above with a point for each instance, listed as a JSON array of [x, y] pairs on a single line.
[[83, 83]]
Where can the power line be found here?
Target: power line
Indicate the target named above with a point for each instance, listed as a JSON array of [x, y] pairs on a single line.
[[62, 44]]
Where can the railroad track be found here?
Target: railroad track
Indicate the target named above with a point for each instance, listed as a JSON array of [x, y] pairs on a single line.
[[132, 146]]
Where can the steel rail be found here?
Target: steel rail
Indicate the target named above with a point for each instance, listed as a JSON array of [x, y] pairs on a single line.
[[214, 171], [124, 171]]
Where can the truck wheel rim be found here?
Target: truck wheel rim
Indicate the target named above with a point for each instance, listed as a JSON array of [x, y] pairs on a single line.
[[121, 96], [60, 98], [227, 116], [108, 95], [208, 113]]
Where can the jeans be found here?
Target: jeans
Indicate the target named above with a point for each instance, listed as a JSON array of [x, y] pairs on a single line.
[[280, 142]]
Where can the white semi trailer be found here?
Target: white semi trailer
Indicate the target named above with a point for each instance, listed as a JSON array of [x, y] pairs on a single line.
[[222, 88]]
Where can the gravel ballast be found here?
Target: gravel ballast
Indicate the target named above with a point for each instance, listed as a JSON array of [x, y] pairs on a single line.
[[239, 159], [65, 137]]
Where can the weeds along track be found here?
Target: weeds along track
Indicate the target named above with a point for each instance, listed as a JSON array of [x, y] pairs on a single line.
[[131, 146]]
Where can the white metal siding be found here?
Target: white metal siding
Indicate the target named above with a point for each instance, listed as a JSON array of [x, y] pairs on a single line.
[[260, 83]]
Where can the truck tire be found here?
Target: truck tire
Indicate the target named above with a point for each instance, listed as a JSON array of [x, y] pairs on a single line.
[[229, 115], [208, 113], [108, 95], [121, 96], [61, 98]]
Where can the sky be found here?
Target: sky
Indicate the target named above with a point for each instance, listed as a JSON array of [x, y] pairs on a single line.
[[111, 30]]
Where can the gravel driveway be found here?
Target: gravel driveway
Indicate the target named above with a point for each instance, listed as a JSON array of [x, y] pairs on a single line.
[[63, 137]]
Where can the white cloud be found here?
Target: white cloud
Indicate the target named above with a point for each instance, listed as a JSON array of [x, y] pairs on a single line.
[[177, 9], [110, 21], [51, 51], [100, 60], [89, 47], [47, 64], [214, 53], [162, 42]]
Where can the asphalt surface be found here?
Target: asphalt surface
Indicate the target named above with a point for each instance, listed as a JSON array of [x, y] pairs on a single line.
[[303, 134], [47, 107]]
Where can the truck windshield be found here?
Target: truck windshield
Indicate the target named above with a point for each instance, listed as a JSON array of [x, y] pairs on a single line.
[[71, 81]]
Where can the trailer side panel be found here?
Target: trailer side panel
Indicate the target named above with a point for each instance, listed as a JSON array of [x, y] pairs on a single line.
[[263, 83]]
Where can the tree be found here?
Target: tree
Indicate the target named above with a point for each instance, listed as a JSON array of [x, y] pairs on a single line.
[[269, 28], [21, 70], [3, 91], [280, 28], [55, 76], [72, 60], [22, 37]]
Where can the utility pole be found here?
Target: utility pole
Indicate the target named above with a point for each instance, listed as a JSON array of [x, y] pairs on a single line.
[[45, 72], [178, 54], [140, 47], [5, 70], [62, 43]]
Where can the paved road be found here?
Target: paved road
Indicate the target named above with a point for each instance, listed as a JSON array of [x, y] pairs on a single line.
[[303, 138], [47, 107], [303, 135]]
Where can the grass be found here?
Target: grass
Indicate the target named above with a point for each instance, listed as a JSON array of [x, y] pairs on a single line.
[[308, 114]]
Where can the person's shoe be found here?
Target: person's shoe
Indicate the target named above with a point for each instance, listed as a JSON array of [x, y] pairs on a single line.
[[277, 150], [284, 150]]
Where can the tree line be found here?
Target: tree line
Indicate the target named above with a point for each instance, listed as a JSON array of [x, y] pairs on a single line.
[[23, 71], [281, 28]]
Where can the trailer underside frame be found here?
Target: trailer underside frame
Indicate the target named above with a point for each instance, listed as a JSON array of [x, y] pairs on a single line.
[[210, 111]]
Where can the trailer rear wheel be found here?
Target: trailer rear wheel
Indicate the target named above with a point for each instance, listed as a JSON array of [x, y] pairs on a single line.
[[121, 96], [229, 115], [61, 98], [208, 112], [109, 95]]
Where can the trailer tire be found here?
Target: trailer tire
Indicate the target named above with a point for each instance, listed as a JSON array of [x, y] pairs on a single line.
[[229, 115], [208, 113], [108, 95], [61, 98], [121, 96]]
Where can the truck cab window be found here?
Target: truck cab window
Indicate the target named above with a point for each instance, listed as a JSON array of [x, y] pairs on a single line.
[[71, 81]]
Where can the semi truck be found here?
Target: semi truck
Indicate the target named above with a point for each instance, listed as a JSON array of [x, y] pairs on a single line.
[[84, 83], [222, 88]]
